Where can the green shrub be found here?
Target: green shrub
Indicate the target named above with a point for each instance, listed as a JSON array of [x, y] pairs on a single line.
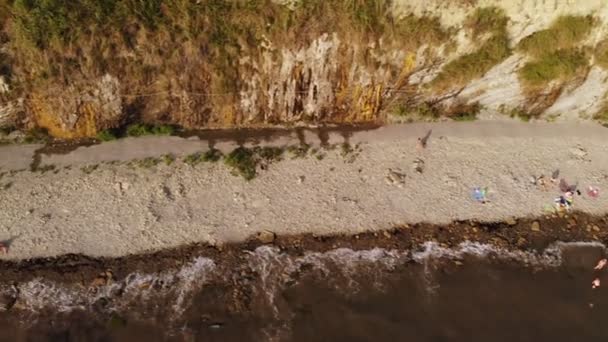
[[492, 51], [298, 151], [168, 159], [473, 65], [89, 168], [270, 154], [465, 112], [212, 155], [522, 114], [243, 161], [560, 64], [106, 135], [193, 159], [139, 130], [37, 136], [602, 115], [566, 32], [414, 31], [424, 110], [148, 162]]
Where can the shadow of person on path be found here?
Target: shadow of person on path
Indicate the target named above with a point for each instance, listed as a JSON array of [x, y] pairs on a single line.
[[423, 141]]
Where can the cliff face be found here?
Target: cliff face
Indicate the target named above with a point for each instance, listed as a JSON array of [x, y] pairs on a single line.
[[81, 67]]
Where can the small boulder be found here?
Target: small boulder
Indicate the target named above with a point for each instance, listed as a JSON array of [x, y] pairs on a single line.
[[98, 281], [266, 237], [571, 223], [8, 299], [511, 221], [535, 226]]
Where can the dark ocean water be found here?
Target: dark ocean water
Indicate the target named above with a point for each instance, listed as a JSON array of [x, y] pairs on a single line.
[[473, 293]]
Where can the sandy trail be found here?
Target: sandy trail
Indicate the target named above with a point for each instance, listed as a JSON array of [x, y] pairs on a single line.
[[117, 210]]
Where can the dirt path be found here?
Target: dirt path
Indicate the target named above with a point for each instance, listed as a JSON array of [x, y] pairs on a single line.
[[115, 210]]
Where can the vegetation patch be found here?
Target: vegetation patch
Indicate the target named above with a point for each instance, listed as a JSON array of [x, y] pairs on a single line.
[[139, 130], [465, 112], [413, 31], [245, 161], [212, 155], [298, 151], [88, 169], [487, 20], [493, 50], [37, 136], [350, 153], [566, 32], [193, 159], [602, 115], [106, 135], [421, 110], [556, 52], [561, 64], [135, 130], [148, 162], [601, 54], [168, 159], [523, 114]]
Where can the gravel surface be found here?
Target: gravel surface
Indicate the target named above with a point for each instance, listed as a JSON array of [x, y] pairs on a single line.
[[117, 209]]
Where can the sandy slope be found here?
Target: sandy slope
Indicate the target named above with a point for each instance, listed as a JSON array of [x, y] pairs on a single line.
[[118, 210]]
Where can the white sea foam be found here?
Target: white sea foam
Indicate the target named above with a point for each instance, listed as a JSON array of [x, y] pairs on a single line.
[[431, 250], [39, 294]]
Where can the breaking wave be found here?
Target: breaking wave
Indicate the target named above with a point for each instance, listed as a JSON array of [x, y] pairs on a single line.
[[273, 270]]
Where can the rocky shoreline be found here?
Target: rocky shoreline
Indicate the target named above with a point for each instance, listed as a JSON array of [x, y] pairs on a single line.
[[527, 234], [242, 290]]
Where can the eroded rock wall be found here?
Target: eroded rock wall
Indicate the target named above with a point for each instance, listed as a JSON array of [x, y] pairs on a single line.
[[291, 65]]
